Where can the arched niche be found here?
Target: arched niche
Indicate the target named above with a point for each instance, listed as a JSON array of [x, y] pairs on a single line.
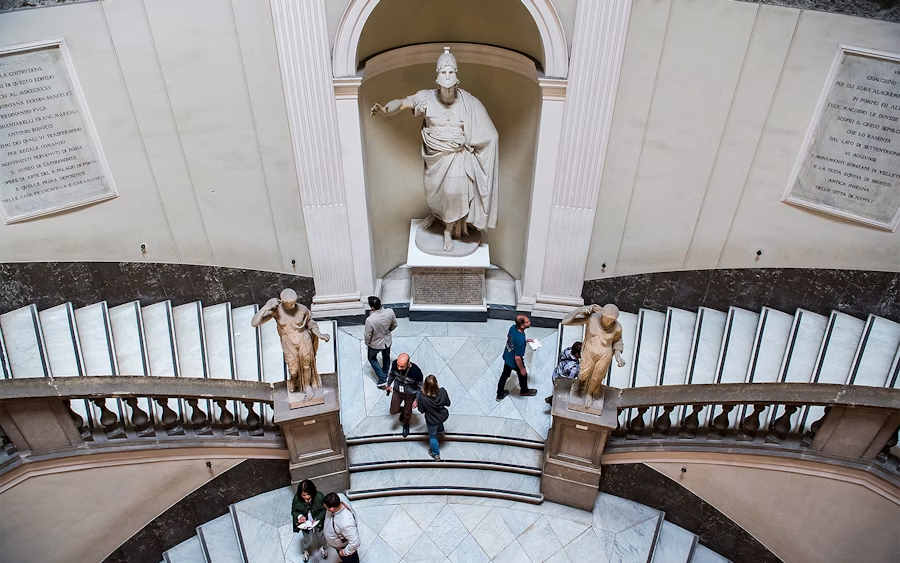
[[554, 59], [506, 83]]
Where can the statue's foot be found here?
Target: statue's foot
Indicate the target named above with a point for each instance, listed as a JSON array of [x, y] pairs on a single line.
[[588, 401], [428, 222], [448, 242]]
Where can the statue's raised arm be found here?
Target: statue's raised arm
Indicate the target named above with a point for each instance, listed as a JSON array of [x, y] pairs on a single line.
[[393, 107]]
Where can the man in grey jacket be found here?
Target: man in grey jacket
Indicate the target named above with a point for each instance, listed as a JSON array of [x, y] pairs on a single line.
[[340, 530], [379, 325]]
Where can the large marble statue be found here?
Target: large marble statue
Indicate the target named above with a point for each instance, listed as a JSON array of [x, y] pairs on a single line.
[[299, 339], [460, 149], [602, 342]]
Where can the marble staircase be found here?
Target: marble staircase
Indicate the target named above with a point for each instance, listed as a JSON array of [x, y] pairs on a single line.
[[454, 529]]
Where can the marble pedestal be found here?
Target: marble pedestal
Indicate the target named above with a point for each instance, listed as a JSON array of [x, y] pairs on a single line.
[[446, 284], [573, 448], [315, 437]]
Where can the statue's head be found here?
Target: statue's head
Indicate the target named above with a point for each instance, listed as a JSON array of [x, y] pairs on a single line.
[[289, 298], [608, 315], [446, 69]]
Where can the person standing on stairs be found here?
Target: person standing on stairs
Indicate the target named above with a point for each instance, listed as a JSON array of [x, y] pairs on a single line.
[[567, 368], [341, 532], [433, 402], [514, 359], [379, 325], [404, 380], [308, 507]]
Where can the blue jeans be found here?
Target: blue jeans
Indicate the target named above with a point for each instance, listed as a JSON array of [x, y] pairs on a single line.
[[433, 431], [381, 370]]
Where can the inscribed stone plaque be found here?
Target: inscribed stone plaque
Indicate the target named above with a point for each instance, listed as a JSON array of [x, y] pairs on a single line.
[[50, 157], [850, 161], [448, 286]]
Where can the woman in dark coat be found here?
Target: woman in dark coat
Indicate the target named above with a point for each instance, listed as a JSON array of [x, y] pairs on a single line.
[[309, 503], [433, 402]]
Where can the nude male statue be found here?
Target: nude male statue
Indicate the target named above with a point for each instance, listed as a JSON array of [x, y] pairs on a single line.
[[299, 339], [602, 343], [460, 148]]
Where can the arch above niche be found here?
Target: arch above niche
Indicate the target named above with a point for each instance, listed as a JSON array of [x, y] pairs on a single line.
[[428, 53], [553, 37]]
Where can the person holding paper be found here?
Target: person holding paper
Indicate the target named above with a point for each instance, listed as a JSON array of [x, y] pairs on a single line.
[[308, 516], [514, 359]]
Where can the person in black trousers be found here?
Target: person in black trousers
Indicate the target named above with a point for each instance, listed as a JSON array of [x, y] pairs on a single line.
[[433, 402]]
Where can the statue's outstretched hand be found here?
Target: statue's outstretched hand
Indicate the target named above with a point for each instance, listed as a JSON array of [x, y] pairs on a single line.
[[377, 109], [621, 363], [326, 337]]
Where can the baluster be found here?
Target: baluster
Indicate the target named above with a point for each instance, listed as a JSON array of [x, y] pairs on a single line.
[[79, 423], [7, 444], [170, 419], [110, 421], [253, 420], [720, 423], [781, 426], [229, 427], [664, 423], [691, 423], [886, 450], [615, 434], [199, 419], [750, 425], [636, 428], [814, 429], [140, 419]]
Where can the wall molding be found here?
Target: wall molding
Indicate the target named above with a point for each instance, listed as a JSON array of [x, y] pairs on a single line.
[[549, 25], [469, 53]]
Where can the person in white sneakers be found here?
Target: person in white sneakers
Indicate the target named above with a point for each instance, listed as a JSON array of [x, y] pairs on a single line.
[[340, 529]]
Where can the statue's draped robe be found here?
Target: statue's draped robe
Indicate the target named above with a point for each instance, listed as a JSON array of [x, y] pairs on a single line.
[[597, 352], [299, 345], [460, 148]]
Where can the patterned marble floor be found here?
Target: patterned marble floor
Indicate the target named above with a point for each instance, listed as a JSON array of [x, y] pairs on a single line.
[[442, 529], [465, 358]]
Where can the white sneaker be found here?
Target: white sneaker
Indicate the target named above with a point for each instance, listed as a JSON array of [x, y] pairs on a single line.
[[305, 556], [324, 552]]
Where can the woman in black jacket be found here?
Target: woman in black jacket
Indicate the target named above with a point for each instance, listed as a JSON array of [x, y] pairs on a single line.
[[433, 402]]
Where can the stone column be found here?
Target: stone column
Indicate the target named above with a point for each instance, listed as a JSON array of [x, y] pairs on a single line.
[[346, 95], [303, 53], [597, 51], [553, 102]]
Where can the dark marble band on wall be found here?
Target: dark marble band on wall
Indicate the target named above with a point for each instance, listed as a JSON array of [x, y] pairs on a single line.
[[855, 292], [47, 284], [249, 478], [640, 483]]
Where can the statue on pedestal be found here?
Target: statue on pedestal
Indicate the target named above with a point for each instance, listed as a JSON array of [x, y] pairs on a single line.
[[460, 148], [602, 342], [299, 340]]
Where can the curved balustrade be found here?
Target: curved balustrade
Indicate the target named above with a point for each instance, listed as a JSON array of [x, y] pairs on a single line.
[[45, 418], [856, 426]]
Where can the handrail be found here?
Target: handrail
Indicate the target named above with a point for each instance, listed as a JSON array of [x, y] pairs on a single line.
[[121, 387], [824, 394]]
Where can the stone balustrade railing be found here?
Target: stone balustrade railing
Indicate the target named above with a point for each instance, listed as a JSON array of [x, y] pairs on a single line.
[[46, 418]]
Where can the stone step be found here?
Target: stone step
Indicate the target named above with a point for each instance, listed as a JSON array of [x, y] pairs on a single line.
[[188, 551], [877, 347], [217, 324], [467, 482], [26, 354], [128, 339], [61, 339], [676, 346], [259, 523], [159, 334], [95, 335], [414, 453], [219, 541], [737, 344], [769, 346], [648, 345], [274, 368], [673, 544], [190, 340], [471, 428], [703, 554], [803, 347], [708, 332], [620, 376]]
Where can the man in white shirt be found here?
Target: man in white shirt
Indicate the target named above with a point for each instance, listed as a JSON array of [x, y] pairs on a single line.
[[379, 325], [340, 529]]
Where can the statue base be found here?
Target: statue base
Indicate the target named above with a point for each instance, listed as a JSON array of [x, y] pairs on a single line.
[[297, 399], [585, 403], [431, 241]]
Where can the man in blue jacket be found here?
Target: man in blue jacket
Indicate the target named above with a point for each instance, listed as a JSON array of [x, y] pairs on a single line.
[[514, 359]]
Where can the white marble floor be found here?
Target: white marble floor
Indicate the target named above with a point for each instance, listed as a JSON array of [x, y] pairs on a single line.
[[465, 358], [442, 529]]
